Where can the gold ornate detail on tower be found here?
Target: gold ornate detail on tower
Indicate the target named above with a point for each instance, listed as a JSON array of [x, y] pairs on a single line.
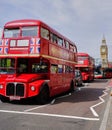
[[104, 53]]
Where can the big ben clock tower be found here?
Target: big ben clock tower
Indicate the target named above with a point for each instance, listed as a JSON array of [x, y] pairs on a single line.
[[104, 53]]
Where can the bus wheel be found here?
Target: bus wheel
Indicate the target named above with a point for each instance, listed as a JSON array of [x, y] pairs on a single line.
[[72, 86], [43, 97], [4, 99]]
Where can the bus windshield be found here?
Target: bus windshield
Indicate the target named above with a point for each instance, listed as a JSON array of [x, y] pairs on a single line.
[[82, 57], [29, 31], [26, 32], [7, 66], [13, 32], [85, 69]]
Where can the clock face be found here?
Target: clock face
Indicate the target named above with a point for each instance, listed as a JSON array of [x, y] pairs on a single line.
[[103, 49]]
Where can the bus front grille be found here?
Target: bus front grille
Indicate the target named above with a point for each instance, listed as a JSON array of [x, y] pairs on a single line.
[[15, 89]]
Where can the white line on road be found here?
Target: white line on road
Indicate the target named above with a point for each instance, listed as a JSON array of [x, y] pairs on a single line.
[[35, 108], [52, 102], [102, 101], [50, 115]]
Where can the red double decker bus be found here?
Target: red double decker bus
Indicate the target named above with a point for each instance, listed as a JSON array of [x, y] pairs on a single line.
[[35, 61], [86, 65]]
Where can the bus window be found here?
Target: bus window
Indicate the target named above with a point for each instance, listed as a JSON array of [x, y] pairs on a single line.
[[39, 68], [22, 65], [7, 66], [8, 33], [60, 69], [82, 58], [68, 69], [66, 44], [54, 68], [29, 31], [45, 33], [53, 38], [75, 50], [60, 41], [22, 68], [71, 47]]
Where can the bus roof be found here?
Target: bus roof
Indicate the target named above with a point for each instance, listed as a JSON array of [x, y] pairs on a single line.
[[82, 54], [33, 22], [23, 22]]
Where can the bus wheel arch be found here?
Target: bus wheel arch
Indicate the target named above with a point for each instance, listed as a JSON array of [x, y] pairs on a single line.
[[44, 94], [4, 99]]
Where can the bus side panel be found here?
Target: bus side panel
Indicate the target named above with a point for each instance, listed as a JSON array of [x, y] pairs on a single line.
[[44, 46], [60, 83], [56, 84]]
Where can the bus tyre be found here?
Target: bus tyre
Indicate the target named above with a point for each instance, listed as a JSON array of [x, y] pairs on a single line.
[[43, 97], [72, 86], [4, 99]]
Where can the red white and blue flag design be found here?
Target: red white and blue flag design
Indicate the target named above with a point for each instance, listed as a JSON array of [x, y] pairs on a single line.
[[35, 46], [4, 46]]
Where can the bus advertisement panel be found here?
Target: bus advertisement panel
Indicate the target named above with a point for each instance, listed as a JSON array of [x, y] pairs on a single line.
[[35, 62]]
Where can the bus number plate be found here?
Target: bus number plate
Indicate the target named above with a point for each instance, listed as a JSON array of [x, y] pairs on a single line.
[[14, 98]]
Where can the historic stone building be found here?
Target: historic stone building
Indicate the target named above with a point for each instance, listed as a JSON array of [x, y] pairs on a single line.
[[104, 53]]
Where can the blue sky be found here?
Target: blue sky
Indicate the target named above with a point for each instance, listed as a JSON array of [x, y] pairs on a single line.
[[82, 21]]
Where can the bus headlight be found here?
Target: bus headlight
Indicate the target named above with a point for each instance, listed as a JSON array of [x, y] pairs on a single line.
[[1, 86], [33, 88]]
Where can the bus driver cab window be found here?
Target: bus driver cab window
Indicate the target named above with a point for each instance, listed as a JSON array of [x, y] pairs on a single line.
[[40, 68], [22, 68]]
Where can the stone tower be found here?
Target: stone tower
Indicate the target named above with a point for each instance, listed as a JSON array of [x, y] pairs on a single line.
[[104, 53]]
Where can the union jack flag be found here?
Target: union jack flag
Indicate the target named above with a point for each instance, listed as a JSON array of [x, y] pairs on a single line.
[[0, 42], [37, 49], [38, 41], [32, 41], [31, 49], [6, 42], [6, 50], [1, 50]]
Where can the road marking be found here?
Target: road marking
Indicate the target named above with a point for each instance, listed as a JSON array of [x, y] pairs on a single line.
[[52, 102], [51, 115], [106, 114], [102, 101], [36, 108]]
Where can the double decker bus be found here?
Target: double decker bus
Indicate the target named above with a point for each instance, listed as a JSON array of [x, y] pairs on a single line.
[[107, 73], [35, 61], [86, 65]]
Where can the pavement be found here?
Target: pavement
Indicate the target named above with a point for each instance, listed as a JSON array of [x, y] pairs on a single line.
[[106, 123], [109, 119]]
